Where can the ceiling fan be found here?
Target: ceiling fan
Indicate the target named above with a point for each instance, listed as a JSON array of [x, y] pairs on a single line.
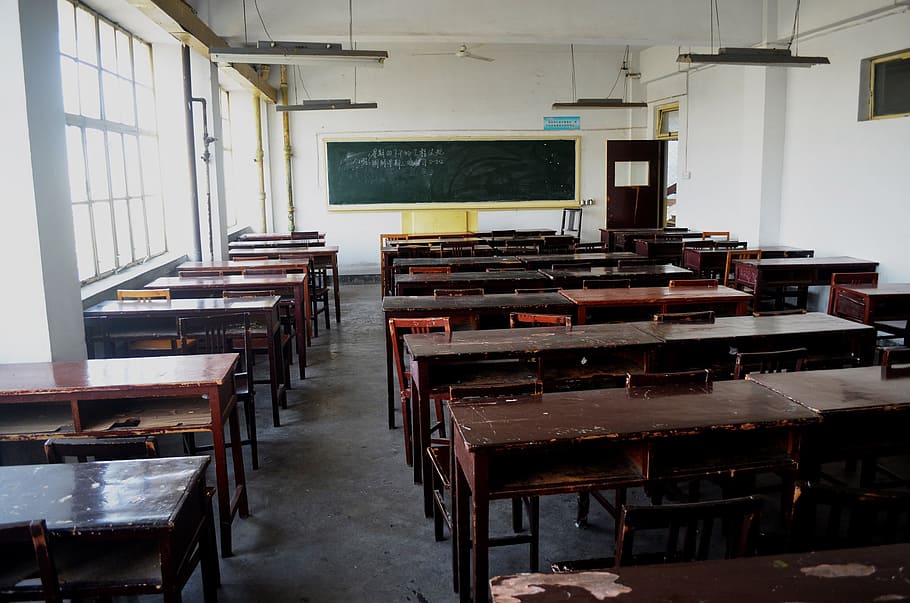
[[461, 53]]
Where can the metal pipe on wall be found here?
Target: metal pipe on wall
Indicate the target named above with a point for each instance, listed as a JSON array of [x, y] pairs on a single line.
[[286, 127], [191, 150], [259, 160]]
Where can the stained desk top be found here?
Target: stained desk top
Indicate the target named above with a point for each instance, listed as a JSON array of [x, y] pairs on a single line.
[[840, 390], [809, 262], [289, 251], [492, 261], [652, 295], [202, 305], [100, 496], [733, 327], [458, 277], [492, 301], [228, 281], [668, 270], [288, 263], [618, 415], [880, 290]]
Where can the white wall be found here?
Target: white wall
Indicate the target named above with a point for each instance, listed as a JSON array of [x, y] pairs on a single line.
[[445, 95]]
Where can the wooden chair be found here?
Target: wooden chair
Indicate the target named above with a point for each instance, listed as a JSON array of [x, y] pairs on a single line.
[[598, 247], [430, 270], [57, 450], [826, 516], [398, 327], [770, 362], [528, 319], [155, 345], [708, 234], [896, 363], [734, 255], [221, 334], [261, 336], [571, 221], [694, 283], [705, 316], [606, 283], [576, 266], [456, 292], [318, 282], [28, 572], [538, 290], [848, 278], [456, 248], [696, 377]]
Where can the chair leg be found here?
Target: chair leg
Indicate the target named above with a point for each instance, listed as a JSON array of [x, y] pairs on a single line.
[[249, 408], [189, 443], [440, 417], [406, 429], [517, 521], [534, 528], [582, 510]]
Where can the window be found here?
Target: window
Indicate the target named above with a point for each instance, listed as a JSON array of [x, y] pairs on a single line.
[[668, 122], [667, 128], [885, 86], [227, 145], [111, 143]]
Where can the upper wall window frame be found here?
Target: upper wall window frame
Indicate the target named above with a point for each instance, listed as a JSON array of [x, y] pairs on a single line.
[[662, 129], [868, 68]]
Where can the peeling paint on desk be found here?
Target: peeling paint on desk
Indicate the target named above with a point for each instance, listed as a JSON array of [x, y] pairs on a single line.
[[843, 570], [601, 585]]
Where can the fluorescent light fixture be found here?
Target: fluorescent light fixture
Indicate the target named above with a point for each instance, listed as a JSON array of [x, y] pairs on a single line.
[[298, 53], [597, 103], [771, 57], [326, 104]]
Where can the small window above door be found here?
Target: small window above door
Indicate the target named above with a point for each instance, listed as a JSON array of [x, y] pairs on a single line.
[[667, 124]]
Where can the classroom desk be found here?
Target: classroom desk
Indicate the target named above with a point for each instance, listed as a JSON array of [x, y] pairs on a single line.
[[323, 257], [399, 265], [119, 319], [548, 260], [859, 574], [863, 414], [486, 311], [128, 397], [275, 236], [640, 276], [873, 305], [153, 506], [490, 282], [777, 273], [623, 239], [712, 262], [578, 441], [295, 285], [713, 345], [662, 249], [660, 299], [277, 243]]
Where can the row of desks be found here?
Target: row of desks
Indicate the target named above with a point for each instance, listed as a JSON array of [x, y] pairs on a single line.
[[609, 438]]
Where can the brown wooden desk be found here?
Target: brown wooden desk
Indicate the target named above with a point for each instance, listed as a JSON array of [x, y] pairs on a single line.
[[665, 250], [548, 260], [660, 299], [153, 506], [131, 396], [860, 574], [577, 441], [285, 242], [863, 415], [623, 239], [710, 263], [485, 311], [490, 282], [323, 257], [274, 236], [399, 265], [114, 319], [640, 276], [777, 273], [282, 284], [872, 305]]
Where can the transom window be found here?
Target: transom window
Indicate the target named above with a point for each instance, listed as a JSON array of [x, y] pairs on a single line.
[[111, 143]]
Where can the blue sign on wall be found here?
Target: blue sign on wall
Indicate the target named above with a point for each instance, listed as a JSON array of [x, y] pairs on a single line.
[[562, 122]]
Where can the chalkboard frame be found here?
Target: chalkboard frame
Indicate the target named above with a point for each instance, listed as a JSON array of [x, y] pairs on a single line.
[[467, 205]]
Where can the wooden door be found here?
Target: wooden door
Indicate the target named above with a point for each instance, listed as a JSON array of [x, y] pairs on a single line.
[[635, 183]]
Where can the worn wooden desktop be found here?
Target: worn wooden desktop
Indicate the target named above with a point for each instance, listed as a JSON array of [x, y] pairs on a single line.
[[150, 504], [640, 276], [548, 260], [282, 284], [275, 236], [859, 574], [863, 414], [577, 441], [132, 396], [711, 262], [323, 257], [871, 304], [116, 319], [660, 299], [484, 311], [490, 282], [278, 243], [776, 273]]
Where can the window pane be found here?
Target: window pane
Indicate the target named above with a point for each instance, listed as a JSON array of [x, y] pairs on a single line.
[[155, 215], [146, 107], [124, 61], [150, 173], [89, 100], [97, 164], [131, 153], [137, 215], [142, 58], [104, 235], [85, 36], [122, 221], [69, 73], [108, 49], [118, 175], [66, 19], [85, 254], [75, 163], [112, 101], [127, 108], [892, 87]]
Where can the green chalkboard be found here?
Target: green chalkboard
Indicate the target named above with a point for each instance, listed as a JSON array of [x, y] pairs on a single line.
[[460, 171]]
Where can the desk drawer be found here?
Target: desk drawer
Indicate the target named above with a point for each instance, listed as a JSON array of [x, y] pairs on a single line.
[[711, 454]]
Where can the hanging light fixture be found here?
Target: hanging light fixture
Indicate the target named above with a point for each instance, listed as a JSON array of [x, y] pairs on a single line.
[[766, 57], [601, 103]]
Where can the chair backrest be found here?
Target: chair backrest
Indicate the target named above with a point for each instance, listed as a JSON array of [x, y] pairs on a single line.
[[312, 235], [538, 290], [457, 292], [606, 283], [456, 248], [696, 377], [528, 319], [430, 270], [221, 334], [848, 278], [777, 361], [26, 554], [577, 266], [143, 294], [896, 362], [571, 221], [57, 450], [494, 390], [707, 234], [704, 316], [597, 247], [694, 283], [738, 520], [738, 254], [827, 516], [787, 312], [399, 327]]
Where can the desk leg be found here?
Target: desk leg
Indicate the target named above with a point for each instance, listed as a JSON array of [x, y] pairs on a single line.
[[335, 287], [461, 532], [302, 318], [277, 373], [420, 427], [388, 375], [225, 504], [582, 314], [239, 473], [480, 527]]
